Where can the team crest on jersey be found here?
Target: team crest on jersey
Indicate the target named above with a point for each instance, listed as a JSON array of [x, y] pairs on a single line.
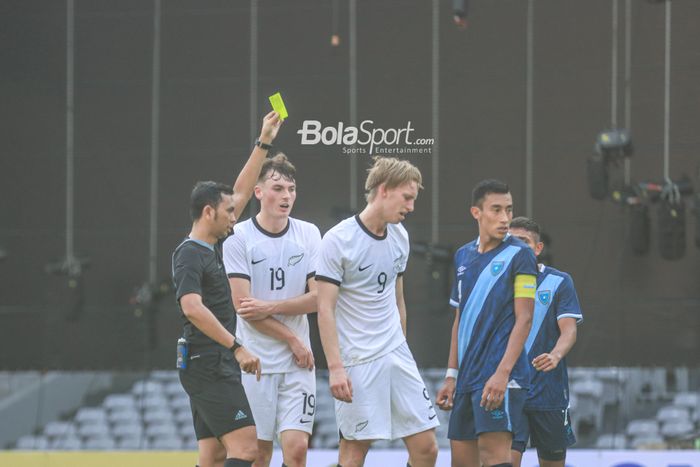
[[497, 267], [398, 263], [544, 296], [293, 260]]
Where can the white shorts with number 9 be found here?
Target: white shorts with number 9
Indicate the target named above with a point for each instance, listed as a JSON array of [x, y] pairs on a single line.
[[389, 399]]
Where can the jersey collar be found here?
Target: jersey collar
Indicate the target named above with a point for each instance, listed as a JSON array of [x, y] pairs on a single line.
[[201, 242], [478, 239], [366, 230], [270, 234]]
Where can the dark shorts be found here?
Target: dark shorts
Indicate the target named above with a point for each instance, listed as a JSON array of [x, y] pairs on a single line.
[[550, 430], [217, 399], [468, 420]]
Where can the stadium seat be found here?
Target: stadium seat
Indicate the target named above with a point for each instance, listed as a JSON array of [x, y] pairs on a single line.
[[132, 443], [591, 387], [161, 429], [158, 414], [143, 388], [164, 376], [118, 402], [100, 443], [646, 384], [58, 429], [588, 402], [183, 415], [613, 379], [94, 430], [637, 428], [32, 443], [153, 401], [124, 415], [677, 429], [672, 413], [189, 443], [689, 400], [173, 388], [180, 401], [165, 443], [185, 429], [69, 443], [127, 429], [90, 415], [611, 441]]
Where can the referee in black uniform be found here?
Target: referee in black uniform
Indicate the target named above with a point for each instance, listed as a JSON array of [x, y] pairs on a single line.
[[223, 422]]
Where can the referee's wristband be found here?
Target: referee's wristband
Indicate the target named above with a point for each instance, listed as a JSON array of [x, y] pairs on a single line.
[[263, 146], [452, 373], [235, 346]]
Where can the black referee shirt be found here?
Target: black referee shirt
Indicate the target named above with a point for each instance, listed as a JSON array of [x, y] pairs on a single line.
[[198, 268]]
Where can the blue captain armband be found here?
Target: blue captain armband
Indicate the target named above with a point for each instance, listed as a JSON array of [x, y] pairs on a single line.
[[525, 286]]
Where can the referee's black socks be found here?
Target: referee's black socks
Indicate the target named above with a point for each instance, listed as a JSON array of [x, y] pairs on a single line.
[[237, 463]]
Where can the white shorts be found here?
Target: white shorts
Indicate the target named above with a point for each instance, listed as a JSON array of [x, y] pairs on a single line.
[[389, 399], [281, 401]]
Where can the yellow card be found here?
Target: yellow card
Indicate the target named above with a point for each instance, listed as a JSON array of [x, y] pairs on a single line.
[[278, 105]]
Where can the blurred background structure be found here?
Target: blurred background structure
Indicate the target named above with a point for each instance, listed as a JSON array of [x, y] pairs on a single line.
[[112, 110]]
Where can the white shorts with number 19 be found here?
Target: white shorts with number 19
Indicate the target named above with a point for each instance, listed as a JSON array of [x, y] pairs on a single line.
[[281, 401], [389, 399]]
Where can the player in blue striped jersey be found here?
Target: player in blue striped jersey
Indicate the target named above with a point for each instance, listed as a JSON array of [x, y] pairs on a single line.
[[553, 334], [493, 295]]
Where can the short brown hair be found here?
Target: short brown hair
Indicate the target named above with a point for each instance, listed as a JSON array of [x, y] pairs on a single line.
[[392, 172], [277, 164]]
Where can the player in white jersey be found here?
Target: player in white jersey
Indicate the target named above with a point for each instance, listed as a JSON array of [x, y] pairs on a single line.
[[362, 321], [270, 261]]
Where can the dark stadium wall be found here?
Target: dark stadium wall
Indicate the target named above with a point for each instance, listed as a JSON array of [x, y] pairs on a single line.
[[638, 310]]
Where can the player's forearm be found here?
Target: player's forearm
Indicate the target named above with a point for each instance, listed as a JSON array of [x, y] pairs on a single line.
[[401, 303], [402, 318], [329, 337], [565, 343], [453, 358], [518, 336], [204, 320], [273, 328], [245, 182], [301, 305]]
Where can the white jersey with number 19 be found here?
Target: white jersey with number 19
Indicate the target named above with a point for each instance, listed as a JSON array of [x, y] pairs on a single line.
[[278, 266]]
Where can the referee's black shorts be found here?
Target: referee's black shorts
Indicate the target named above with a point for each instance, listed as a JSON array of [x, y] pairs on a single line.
[[217, 399]]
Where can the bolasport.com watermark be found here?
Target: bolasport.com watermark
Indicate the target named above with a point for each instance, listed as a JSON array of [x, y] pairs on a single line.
[[365, 138]]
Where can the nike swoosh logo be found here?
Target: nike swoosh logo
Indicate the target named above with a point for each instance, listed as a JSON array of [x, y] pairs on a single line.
[[434, 415], [362, 269], [258, 261], [301, 420]]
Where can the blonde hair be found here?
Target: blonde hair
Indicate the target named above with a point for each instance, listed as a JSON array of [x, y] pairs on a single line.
[[392, 172]]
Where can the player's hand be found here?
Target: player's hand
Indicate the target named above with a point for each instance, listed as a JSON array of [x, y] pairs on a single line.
[[252, 309], [270, 127], [546, 362], [494, 391], [341, 386], [303, 356], [445, 396], [248, 362]]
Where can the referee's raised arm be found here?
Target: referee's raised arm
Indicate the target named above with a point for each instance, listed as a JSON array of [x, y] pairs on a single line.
[[248, 176]]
